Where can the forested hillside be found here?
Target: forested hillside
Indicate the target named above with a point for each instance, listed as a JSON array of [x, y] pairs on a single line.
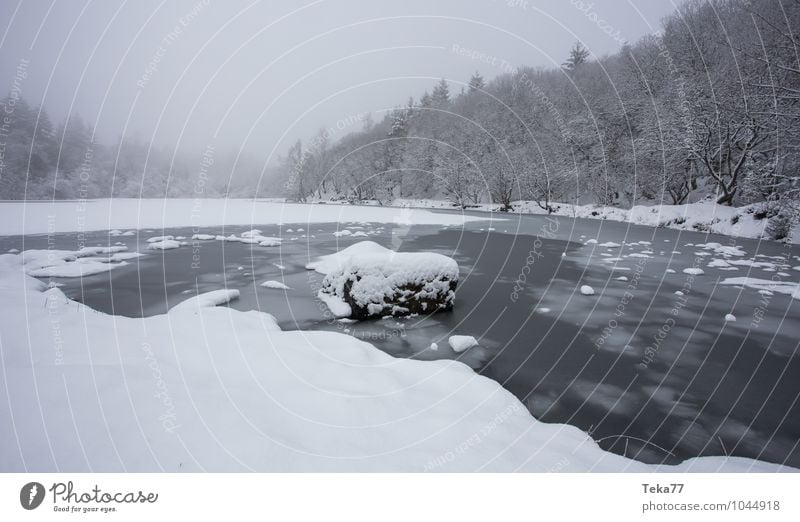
[[707, 107]]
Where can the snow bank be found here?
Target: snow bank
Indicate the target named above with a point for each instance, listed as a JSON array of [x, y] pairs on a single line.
[[71, 263], [782, 287], [224, 390], [41, 217], [206, 300], [703, 216], [375, 281]]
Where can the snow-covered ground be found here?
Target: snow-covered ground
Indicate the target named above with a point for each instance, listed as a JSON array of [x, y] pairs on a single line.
[[39, 217], [42, 217], [204, 388], [703, 216]]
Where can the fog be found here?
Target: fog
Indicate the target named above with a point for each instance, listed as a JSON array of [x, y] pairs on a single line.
[[259, 75]]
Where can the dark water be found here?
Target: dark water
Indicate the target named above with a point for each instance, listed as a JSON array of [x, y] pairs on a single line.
[[650, 374]]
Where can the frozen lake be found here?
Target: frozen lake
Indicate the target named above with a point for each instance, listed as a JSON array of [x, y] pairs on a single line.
[[649, 373]]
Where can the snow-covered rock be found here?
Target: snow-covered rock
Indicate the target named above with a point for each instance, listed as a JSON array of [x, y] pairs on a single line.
[[462, 343], [587, 290], [374, 281]]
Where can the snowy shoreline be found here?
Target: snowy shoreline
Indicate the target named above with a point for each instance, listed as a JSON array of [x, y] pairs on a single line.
[[205, 388], [64, 216]]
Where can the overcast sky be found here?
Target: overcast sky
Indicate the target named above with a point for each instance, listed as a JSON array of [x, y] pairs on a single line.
[[259, 75]]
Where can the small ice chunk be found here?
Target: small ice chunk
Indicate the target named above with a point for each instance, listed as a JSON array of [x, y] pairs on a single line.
[[434, 346], [542, 310], [159, 239], [670, 271], [591, 242], [206, 300], [462, 343], [167, 244], [587, 290], [609, 244], [729, 318], [693, 271], [275, 284], [621, 278]]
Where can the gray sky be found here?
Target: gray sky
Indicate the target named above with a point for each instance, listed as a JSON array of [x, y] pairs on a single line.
[[259, 75]]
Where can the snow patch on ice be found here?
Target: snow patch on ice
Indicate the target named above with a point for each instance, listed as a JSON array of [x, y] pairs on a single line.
[[206, 300], [462, 343], [275, 284]]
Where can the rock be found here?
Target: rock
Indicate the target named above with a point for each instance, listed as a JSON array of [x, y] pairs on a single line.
[[376, 282]]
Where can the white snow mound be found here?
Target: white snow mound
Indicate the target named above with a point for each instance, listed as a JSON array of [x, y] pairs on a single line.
[[206, 300], [462, 343]]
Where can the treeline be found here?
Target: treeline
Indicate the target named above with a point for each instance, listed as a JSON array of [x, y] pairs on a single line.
[[707, 107], [40, 160]]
